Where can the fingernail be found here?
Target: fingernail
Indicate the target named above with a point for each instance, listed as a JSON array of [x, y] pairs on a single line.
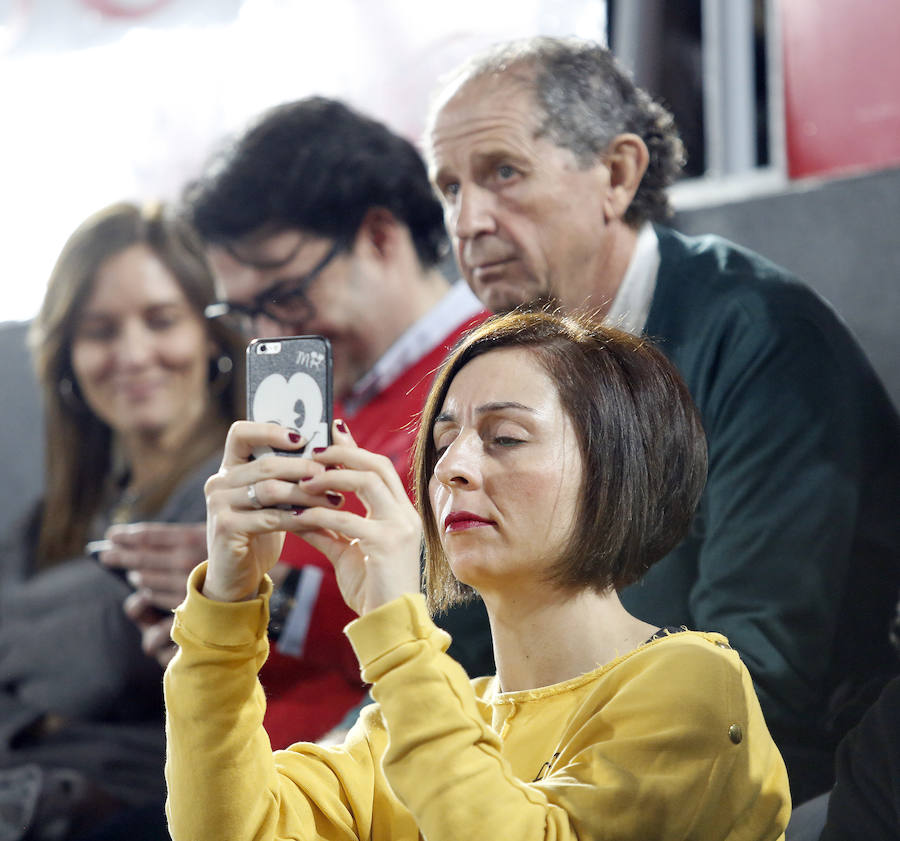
[[319, 450], [306, 478], [333, 498], [134, 579], [298, 509], [341, 426], [295, 437]]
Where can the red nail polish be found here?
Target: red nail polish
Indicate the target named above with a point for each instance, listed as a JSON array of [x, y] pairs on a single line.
[[298, 509], [306, 478], [319, 450], [295, 437], [333, 498], [341, 426]]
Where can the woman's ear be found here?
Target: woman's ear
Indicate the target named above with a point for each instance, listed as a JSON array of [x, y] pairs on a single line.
[[626, 159]]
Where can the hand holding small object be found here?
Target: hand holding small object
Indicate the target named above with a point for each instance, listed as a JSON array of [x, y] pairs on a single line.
[[245, 530], [376, 556]]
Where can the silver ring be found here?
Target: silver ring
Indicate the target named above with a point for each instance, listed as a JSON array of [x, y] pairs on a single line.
[[254, 499]]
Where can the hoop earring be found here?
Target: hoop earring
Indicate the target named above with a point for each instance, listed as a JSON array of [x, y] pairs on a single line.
[[220, 374], [70, 396]]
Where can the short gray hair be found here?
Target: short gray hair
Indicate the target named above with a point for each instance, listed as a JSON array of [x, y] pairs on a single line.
[[587, 98]]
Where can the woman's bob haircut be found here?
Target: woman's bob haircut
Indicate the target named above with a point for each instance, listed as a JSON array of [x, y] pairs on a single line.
[[640, 437]]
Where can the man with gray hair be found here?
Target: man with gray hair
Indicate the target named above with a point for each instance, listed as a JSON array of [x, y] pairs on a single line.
[[552, 167]]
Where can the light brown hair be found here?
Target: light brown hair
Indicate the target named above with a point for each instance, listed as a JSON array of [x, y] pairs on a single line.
[[78, 448]]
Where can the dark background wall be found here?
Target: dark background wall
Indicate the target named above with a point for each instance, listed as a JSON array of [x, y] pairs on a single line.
[[842, 237]]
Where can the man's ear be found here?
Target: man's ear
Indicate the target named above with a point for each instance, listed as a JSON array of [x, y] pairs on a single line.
[[626, 159], [377, 233]]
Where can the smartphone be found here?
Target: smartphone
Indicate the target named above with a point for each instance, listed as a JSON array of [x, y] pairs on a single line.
[[289, 382], [93, 550]]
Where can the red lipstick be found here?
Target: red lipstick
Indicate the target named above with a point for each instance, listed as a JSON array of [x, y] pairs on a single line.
[[462, 520]]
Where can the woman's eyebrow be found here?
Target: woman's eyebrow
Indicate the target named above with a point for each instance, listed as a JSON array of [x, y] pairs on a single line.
[[158, 306], [486, 409], [502, 405]]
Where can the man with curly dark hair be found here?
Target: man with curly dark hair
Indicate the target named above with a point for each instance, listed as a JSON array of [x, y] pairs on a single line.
[[553, 166]]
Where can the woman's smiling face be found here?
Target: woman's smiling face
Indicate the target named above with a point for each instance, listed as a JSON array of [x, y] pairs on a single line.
[[140, 353], [507, 485]]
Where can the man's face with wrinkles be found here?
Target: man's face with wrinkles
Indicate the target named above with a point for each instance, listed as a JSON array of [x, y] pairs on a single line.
[[527, 222]]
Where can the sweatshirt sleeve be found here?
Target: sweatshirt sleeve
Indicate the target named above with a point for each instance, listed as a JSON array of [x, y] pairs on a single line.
[[443, 761], [223, 779]]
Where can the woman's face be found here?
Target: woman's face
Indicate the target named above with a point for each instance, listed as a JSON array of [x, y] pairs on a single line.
[[140, 353], [509, 476]]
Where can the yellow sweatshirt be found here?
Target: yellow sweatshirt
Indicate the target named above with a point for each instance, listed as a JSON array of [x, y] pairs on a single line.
[[666, 742]]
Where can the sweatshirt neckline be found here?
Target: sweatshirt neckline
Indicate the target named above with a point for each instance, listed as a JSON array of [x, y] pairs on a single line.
[[520, 696]]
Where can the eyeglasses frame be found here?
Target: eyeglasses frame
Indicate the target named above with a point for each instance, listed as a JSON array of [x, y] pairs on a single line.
[[263, 301]]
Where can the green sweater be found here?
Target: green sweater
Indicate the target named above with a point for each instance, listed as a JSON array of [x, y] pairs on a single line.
[[665, 742], [795, 552]]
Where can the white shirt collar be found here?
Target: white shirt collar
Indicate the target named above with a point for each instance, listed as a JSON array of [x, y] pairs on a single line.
[[416, 342], [631, 305]]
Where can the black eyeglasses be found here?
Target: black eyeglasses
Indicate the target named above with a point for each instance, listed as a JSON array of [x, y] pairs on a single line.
[[284, 301]]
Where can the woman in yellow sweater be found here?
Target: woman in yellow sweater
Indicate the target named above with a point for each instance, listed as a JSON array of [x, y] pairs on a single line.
[[556, 461]]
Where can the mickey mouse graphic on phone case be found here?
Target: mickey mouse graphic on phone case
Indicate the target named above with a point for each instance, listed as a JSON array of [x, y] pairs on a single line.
[[289, 383]]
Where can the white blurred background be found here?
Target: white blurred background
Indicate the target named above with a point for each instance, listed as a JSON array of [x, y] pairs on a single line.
[[102, 100]]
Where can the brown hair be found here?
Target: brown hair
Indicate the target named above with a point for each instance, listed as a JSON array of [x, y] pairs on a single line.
[[78, 454], [640, 437]]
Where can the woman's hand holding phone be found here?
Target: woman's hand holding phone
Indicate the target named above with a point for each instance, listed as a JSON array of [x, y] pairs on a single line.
[[250, 503], [376, 556]]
